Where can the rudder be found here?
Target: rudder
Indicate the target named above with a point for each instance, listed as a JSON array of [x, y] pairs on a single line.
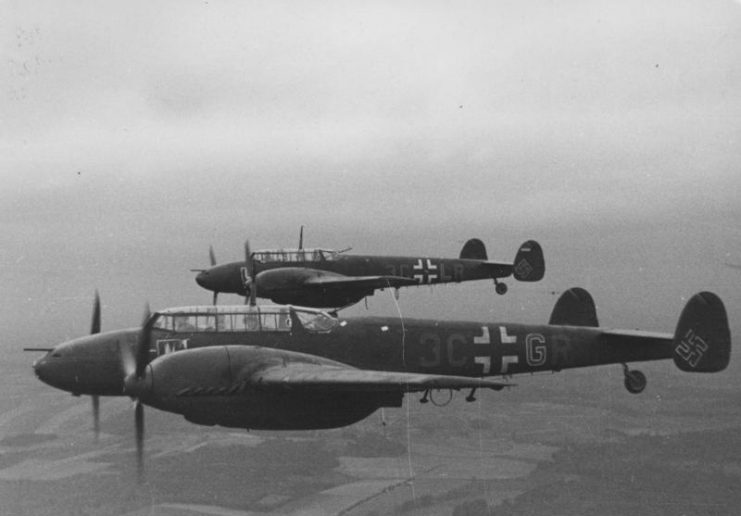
[[575, 307], [529, 264], [702, 340]]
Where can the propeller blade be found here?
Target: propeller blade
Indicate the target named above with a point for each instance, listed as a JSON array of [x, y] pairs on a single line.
[[134, 359], [301, 238], [253, 292], [216, 297], [95, 326], [142, 347], [211, 255], [139, 424], [250, 264], [147, 313], [96, 416], [248, 259]]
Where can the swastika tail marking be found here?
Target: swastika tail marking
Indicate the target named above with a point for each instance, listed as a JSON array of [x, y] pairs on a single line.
[[692, 348], [523, 268]]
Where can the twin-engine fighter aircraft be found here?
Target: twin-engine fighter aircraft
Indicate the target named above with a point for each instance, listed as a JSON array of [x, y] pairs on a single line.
[[324, 278], [290, 368]]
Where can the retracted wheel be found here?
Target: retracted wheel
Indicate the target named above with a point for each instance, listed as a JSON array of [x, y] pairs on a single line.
[[635, 381], [500, 288]]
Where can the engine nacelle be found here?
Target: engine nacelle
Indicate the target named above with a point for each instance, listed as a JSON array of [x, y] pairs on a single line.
[[215, 386], [286, 285]]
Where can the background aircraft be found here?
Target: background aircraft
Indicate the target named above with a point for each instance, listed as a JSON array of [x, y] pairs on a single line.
[[288, 368], [332, 279]]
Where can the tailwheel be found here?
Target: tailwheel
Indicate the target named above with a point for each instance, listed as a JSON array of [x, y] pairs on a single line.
[[500, 288], [635, 381]]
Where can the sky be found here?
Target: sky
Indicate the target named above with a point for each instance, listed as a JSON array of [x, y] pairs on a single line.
[[134, 135]]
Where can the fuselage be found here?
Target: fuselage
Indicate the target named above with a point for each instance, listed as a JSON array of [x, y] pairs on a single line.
[[94, 364], [428, 346], [284, 367], [230, 277]]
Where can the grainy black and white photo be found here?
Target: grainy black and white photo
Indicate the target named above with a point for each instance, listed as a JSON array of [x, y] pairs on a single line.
[[439, 258]]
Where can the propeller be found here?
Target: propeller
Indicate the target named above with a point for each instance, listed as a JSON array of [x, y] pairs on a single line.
[[95, 328], [139, 424], [212, 259], [134, 363], [251, 277], [301, 239], [96, 416]]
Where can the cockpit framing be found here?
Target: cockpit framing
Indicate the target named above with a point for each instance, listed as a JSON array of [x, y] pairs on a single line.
[[294, 255], [238, 318]]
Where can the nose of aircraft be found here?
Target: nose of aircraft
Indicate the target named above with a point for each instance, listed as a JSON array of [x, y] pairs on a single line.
[[45, 370], [216, 279], [209, 279]]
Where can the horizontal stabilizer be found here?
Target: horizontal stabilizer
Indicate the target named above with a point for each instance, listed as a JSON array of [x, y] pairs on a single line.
[[702, 340], [474, 249], [529, 264], [575, 307]]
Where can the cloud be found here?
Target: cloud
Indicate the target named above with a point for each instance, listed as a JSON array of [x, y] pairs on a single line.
[[431, 110]]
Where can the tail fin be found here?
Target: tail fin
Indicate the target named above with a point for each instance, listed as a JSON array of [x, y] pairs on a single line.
[[702, 340], [575, 307], [474, 249], [529, 264]]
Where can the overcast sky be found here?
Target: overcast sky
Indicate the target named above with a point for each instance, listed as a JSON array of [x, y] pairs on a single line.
[[134, 134]]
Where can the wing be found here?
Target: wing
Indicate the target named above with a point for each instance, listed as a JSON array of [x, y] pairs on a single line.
[[374, 282], [334, 378]]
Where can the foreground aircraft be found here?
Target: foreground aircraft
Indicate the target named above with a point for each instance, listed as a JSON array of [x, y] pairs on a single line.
[[324, 278], [291, 368]]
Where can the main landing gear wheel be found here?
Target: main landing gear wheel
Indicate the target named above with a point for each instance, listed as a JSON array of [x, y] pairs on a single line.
[[635, 381], [500, 288]]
